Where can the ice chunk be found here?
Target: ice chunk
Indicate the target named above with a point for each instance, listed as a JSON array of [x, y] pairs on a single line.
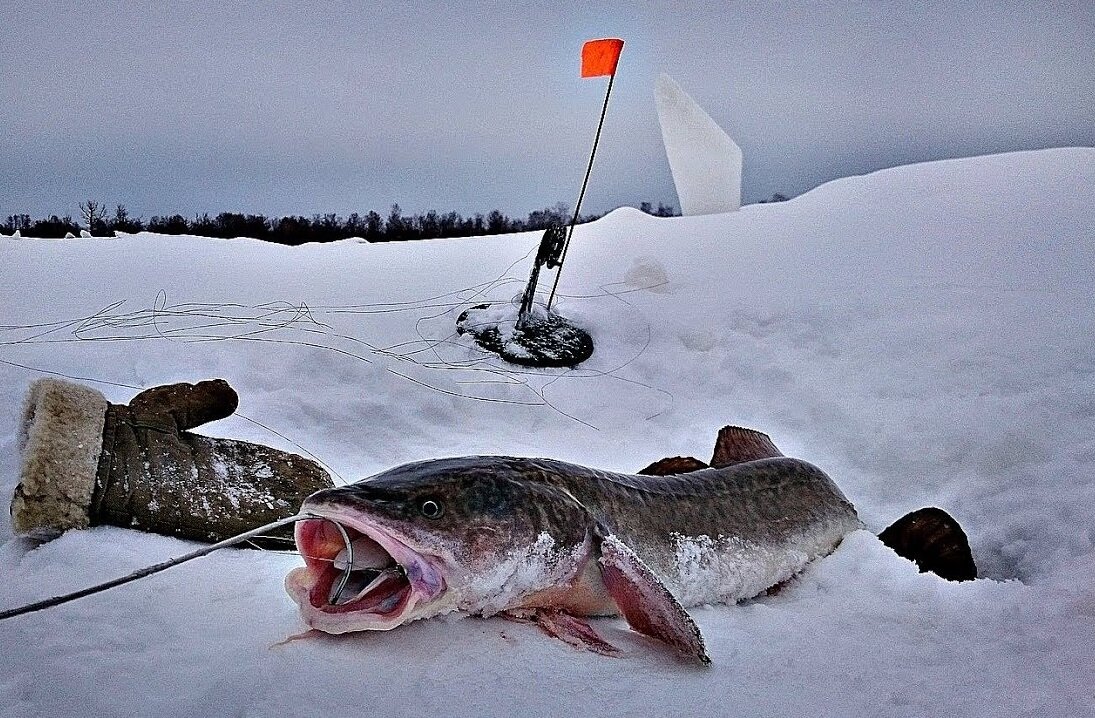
[[705, 162]]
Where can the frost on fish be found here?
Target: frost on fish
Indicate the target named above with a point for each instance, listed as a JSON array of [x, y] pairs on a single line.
[[730, 568], [520, 572]]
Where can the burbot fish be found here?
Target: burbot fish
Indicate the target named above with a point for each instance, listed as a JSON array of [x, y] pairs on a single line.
[[551, 542]]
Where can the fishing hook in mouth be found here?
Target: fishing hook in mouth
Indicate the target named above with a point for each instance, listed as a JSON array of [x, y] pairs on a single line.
[[333, 600], [347, 571]]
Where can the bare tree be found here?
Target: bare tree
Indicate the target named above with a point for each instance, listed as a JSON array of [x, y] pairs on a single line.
[[94, 213]]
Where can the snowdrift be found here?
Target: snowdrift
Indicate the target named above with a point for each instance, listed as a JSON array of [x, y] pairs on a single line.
[[923, 333]]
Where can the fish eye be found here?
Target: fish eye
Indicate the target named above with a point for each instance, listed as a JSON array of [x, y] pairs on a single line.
[[431, 509]]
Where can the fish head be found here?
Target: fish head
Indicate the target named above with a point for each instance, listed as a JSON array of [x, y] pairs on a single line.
[[424, 539]]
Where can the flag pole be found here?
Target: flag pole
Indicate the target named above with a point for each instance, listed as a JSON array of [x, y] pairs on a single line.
[[582, 194]]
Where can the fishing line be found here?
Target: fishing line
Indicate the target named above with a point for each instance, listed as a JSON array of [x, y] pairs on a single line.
[[70, 376], [318, 460], [170, 563], [196, 322]]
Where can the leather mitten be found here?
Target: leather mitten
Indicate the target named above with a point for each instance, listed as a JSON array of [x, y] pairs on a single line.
[[86, 461]]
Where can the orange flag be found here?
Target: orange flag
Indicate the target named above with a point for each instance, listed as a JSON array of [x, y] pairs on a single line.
[[599, 57]]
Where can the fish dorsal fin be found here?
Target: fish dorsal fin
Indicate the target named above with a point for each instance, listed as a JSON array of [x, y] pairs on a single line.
[[673, 465], [736, 445], [646, 603]]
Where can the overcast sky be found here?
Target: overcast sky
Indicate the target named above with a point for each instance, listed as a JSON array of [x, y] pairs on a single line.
[[296, 108]]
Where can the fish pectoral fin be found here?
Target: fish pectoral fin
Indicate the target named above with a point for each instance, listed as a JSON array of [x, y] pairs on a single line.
[[567, 628], [737, 445], [646, 603]]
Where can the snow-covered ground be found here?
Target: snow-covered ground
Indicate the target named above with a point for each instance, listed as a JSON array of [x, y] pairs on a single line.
[[925, 334]]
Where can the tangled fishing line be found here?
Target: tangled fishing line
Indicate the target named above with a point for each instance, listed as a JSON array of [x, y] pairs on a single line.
[[422, 360]]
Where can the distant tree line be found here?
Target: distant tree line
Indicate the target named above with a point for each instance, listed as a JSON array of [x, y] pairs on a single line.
[[293, 230]]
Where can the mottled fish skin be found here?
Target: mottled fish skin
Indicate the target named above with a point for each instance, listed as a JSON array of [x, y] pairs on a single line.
[[713, 535]]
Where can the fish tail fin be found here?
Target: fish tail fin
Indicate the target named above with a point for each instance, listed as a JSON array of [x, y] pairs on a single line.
[[933, 540]]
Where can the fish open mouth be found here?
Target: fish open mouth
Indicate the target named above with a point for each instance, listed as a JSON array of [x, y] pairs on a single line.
[[376, 582]]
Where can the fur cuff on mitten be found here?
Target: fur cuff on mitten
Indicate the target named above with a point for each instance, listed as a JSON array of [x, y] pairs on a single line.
[[60, 443]]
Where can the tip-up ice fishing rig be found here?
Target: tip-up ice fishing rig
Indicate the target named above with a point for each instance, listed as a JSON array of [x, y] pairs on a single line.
[[540, 336]]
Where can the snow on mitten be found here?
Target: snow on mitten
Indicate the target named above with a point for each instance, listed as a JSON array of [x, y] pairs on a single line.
[[87, 462]]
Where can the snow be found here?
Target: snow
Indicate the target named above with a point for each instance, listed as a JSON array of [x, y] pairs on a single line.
[[924, 334], [704, 161]]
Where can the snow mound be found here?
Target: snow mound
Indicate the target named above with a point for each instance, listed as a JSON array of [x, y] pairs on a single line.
[[923, 334]]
